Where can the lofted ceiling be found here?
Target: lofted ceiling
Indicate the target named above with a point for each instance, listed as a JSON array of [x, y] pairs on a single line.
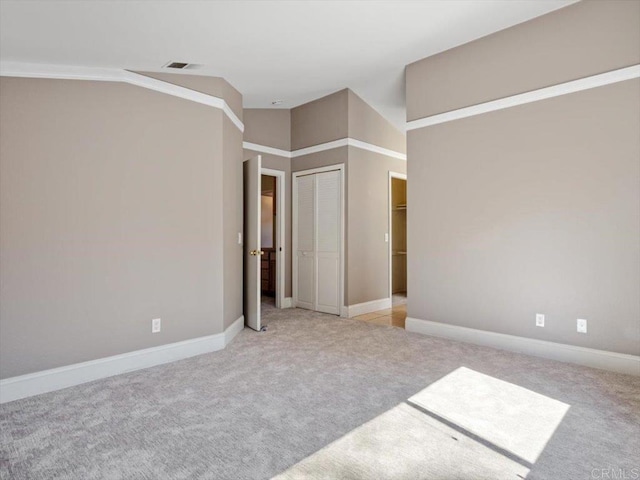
[[294, 51]]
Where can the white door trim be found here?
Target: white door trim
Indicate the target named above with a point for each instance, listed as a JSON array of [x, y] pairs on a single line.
[[294, 230], [67, 72], [280, 235], [392, 175]]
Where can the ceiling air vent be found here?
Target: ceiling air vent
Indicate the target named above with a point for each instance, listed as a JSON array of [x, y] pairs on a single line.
[[176, 65]]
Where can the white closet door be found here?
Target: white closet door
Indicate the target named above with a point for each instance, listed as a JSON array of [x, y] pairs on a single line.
[[328, 236], [305, 251]]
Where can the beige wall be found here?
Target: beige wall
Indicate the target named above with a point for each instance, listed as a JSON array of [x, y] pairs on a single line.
[[110, 215], [367, 125], [233, 214], [367, 223], [268, 126], [320, 121], [583, 39], [536, 208], [320, 159]]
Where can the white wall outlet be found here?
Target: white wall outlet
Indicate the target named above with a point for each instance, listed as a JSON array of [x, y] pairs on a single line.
[[386, 238], [539, 320], [582, 325], [156, 325]]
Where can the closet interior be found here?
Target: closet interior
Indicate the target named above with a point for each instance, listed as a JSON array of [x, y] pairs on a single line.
[[398, 240]]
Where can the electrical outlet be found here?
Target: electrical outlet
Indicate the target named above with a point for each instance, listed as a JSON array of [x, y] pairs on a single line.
[[386, 238], [582, 325], [156, 325], [539, 320]]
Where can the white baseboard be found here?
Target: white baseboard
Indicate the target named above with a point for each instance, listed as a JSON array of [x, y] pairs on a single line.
[[368, 307], [23, 386], [234, 329], [287, 302], [612, 361]]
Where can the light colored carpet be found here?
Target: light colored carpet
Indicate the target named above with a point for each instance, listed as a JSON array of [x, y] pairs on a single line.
[[405, 444], [508, 416], [270, 400]]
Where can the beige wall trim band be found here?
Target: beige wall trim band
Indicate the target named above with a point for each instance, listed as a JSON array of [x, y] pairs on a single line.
[[343, 142], [573, 86], [30, 70]]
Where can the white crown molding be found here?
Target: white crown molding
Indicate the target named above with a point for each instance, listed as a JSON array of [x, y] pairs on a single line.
[[368, 307], [352, 142], [30, 70], [573, 86], [45, 381], [615, 362], [265, 149], [343, 142]]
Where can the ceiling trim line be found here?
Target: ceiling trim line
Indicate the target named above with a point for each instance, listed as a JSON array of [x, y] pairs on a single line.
[[343, 142], [28, 70], [265, 149], [593, 81], [348, 142]]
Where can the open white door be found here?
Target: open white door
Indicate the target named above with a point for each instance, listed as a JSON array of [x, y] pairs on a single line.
[[252, 250]]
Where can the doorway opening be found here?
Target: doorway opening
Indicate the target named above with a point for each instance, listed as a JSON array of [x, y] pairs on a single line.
[[398, 238], [273, 218], [268, 241], [272, 238]]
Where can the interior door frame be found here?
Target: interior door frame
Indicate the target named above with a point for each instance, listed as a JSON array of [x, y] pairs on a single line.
[[280, 234], [401, 176], [294, 231]]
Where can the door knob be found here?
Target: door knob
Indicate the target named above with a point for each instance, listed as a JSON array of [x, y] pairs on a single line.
[[256, 252]]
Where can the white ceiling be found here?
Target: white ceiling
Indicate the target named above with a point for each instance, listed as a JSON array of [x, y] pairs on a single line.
[[269, 50]]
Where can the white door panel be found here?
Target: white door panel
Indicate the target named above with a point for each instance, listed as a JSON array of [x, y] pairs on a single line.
[[306, 287], [318, 237], [328, 294], [252, 179], [306, 214]]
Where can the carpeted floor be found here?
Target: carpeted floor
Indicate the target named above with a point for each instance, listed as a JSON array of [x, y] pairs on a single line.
[[316, 396]]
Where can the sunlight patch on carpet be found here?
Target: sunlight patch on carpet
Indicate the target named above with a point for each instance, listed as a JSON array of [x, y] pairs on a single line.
[[513, 418], [404, 443]]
